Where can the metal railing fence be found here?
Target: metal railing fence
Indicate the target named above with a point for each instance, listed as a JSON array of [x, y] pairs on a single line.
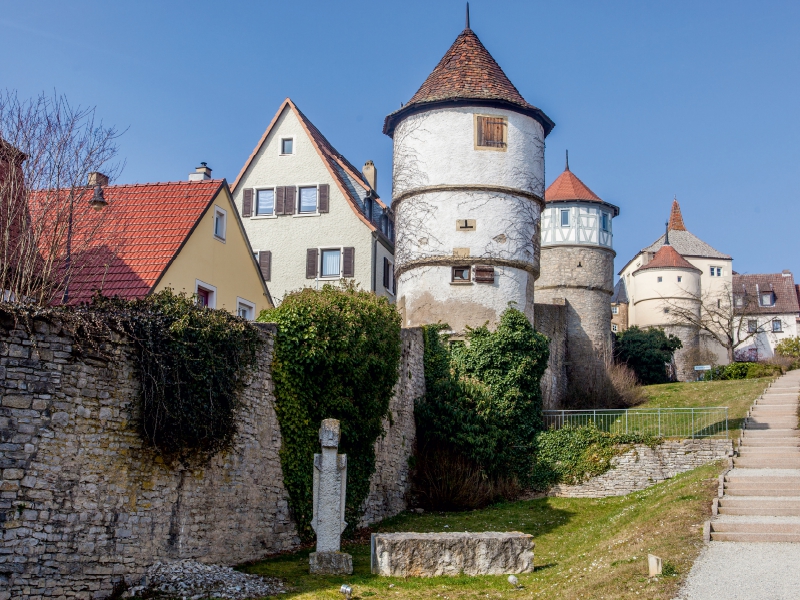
[[709, 422]]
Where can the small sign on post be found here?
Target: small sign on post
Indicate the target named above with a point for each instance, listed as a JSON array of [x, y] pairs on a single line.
[[704, 368]]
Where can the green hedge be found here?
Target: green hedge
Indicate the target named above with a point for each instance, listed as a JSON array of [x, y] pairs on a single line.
[[741, 370], [646, 351], [337, 352]]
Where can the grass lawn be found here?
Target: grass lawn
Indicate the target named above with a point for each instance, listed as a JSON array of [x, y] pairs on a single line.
[[738, 395], [585, 548]]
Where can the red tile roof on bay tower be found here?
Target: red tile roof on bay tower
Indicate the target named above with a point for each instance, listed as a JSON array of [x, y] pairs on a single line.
[[136, 237], [568, 187], [667, 257], [468, 72]]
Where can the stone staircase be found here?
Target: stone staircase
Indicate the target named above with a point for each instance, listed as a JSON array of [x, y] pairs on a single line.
[[760, 496]]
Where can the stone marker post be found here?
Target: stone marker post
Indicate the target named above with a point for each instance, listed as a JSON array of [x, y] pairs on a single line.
[[330, 486]]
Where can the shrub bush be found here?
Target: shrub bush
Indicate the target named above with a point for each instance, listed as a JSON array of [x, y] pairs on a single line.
[[191, 361], [483, 398], [605, 386], [573, 454], [789, 347], [647, 351], [337, 352], [742, 370]]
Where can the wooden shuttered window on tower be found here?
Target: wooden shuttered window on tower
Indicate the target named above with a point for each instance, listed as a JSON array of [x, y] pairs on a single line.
[[386, 272], [280, 195], [312, 263], [265, 264], [348, 262], [247, 203], [492, 132], [324, 197], [484, 274], [289, 199]]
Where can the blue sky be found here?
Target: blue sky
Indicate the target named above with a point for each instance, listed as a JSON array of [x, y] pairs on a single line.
[[694, 99]]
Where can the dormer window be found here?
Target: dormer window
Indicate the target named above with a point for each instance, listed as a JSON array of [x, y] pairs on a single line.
[[767, 299], [491, 132]]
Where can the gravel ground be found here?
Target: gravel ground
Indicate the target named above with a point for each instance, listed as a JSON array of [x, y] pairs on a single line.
[[190, 580], [744, 571]]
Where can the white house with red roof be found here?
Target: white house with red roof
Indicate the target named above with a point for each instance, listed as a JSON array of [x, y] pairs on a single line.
[[468, 191], [311, 216], [184, 235], [678, 269]]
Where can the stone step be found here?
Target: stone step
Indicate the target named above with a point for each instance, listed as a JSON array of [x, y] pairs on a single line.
[[772, 411], [754, 451], [766, 507], [758, 425], [777, 442], [777, 462], [759, 480], [749, 492], [755, 527], [728, 536], [763, 486], [768, 433], [788, 422]]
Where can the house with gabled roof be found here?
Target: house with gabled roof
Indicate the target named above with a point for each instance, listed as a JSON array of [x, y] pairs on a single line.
[[769, 307], [311, 216], [184, 235]]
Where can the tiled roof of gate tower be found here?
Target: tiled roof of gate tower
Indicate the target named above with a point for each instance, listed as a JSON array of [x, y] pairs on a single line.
[[568, 188], [467, 72]]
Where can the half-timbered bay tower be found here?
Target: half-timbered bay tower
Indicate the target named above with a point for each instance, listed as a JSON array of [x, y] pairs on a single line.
[[577, 263], [468, 192]]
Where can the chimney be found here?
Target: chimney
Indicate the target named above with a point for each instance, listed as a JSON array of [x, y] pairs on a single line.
[[96, 178], [786, 273], [201, 173], [370, 174]]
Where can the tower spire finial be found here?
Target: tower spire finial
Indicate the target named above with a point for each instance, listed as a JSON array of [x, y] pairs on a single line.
[[566, 168], [467, 15]]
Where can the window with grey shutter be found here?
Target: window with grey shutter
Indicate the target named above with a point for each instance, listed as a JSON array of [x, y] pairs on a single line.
[[312, 258], [265, 264], [348, 262], [280, 196], [324, 195], [386, 272], [247, 203], [289, 200]]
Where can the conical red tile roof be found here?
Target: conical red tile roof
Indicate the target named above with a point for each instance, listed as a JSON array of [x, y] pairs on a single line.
[[676, 218], [667, 257], [568, 186], [468, 72]]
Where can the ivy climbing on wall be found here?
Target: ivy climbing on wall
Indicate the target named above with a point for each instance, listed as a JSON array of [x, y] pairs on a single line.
[[337, 352]]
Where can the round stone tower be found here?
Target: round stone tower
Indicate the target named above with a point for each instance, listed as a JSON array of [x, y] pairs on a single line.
[[468, 187], [577, 264]]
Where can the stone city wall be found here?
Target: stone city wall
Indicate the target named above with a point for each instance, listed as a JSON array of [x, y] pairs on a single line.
[[389, 485], [84, 503], [550, 320], [643, 466]]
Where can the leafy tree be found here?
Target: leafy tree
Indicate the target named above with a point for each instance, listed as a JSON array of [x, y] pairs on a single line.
[[647, 351], [483, 398]]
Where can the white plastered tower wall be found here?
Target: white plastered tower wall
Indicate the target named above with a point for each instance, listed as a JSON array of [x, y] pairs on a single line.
[[441, 179], [577, 264], [468, 186], [288, 237]]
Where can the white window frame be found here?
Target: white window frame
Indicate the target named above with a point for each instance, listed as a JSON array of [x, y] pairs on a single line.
[[718, 272], [211, 289], [615, 310], [283, 139], [322, 249], [779, 324], [614, 328], [390, 290], [562, 212], [255, 214], [604, 221], [249, 305], [305, 215], [771, 299], [218, 210]]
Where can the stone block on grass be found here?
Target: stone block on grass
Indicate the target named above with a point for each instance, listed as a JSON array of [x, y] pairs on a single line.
[[436, 554]]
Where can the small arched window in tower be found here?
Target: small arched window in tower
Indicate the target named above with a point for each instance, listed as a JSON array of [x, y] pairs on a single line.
[[491, 132], [680, 278], [660, 279]]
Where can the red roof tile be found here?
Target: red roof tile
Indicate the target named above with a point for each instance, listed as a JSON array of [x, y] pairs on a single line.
[[124, 249], [468, 72], [568, 186], [781, 284], [667, 257], [676, 218]]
